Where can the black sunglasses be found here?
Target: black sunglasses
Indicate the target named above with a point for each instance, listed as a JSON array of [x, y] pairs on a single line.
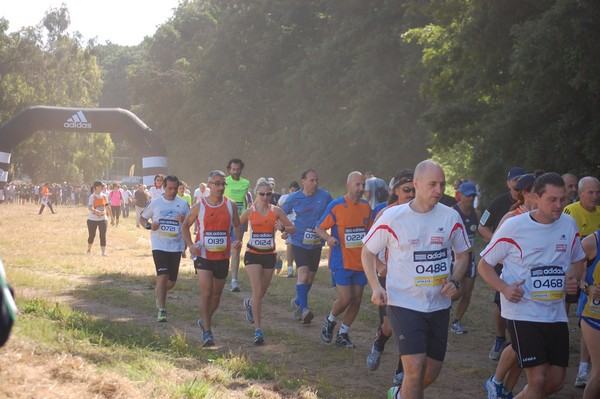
[[408, 189], [268, 194]]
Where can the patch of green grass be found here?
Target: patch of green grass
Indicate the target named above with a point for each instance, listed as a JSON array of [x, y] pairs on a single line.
[[134, 351]]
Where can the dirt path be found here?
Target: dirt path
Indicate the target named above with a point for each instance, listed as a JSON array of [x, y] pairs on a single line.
[[295, 349]]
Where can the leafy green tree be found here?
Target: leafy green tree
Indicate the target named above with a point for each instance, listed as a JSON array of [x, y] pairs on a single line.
[[52, 69]]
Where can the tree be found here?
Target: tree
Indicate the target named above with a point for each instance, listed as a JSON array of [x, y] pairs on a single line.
[[54, 70]]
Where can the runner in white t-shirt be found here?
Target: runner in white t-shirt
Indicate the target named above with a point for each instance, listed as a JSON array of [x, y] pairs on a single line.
[[542, 256], [419, 237], [167, 213]]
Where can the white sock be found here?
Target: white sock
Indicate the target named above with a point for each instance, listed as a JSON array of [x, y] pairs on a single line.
[[583, 367], [344, 329], [331, 317]]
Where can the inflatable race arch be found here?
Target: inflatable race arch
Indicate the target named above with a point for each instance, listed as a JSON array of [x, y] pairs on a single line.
[[84, 120]]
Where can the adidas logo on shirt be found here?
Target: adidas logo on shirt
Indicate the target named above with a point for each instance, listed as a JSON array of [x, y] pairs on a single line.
[[78, 121]]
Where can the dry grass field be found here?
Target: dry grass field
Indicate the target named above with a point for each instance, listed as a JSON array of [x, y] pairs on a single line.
[[87, 328]]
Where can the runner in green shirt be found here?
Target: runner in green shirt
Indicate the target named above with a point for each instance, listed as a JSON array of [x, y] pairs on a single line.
[[236, 189]]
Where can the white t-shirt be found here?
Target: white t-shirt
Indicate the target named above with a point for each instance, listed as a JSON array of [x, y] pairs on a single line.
[[168, 236], [198, 194], [155, 192], [99, 203], [541, 254], [419, 254]]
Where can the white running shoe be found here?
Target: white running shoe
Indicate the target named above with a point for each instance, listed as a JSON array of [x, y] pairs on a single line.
[[457, 328], [235, 286], [582, 379]]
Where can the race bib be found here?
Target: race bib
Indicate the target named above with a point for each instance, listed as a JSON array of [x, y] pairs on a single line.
[[353, 237], [262, 241], [311, 237], [431, 267], [240, 206], [547, 283], [168, 228], [215, 241], [592, 308]]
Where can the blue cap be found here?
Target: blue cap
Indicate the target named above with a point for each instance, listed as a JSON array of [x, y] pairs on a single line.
[[515, 172], [467, 188], [526, 180]]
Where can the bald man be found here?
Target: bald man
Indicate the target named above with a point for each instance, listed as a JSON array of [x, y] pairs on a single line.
[[348, 218], [419, 237]]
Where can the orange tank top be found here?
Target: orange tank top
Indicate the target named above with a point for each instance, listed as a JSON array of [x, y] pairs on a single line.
[[262, 232], [213, 238]]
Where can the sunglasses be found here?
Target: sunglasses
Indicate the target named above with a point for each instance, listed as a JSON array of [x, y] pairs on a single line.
[[268, 194], [218, 183], [408, 190]]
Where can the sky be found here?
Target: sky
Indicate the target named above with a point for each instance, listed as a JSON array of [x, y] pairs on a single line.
[[124, 22]]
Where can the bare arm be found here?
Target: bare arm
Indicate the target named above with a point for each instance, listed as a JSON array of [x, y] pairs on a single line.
[[283, 224], [369, 260], [237, 228], [331, 241], [185, 229], [485, 232], [511, 292]]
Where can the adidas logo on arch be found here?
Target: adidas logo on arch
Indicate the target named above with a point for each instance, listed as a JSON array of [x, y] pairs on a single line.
[[78, 121]]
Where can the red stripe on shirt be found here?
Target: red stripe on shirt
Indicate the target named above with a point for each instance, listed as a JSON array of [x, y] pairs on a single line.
[[508, 240]]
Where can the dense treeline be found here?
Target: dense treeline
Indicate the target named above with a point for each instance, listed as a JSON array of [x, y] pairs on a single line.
[[284, 85], [45, 65], [343, 85]]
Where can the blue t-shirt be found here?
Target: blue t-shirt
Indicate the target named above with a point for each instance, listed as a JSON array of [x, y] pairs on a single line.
[[308, 211]]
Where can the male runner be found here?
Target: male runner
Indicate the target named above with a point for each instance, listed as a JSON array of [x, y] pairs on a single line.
[[487, 225], [467, 192], [215, 216], [167, 213], [349, 218], [542, 257], [237, 189], [308, 204], [419, 237], [586, 213], [571, 186]]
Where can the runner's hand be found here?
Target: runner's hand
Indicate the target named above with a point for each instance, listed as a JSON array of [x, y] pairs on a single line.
[[572, 286], [513, 292], [379, 297], [236, 244], [332, 241], [448, 289]]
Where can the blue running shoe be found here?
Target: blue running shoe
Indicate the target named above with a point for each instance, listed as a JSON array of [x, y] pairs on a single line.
[[259, 337], [494, 391], [207, 339]]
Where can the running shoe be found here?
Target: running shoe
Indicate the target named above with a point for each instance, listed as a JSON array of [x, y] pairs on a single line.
[[494, 391], [201, 325], [327, 330], [278, 266], [296, 309], [162, 316], [506, 394], [457, 328], [248, 307], [235, 286], [207, 339], [398, 379], [307, 316], [581, 379], [497, 348], [373, 358], [259, 337], [343, 340], [394, 393], [290, 272]]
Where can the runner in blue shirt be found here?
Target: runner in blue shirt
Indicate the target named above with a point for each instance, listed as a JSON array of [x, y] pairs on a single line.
[[308, 204]]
